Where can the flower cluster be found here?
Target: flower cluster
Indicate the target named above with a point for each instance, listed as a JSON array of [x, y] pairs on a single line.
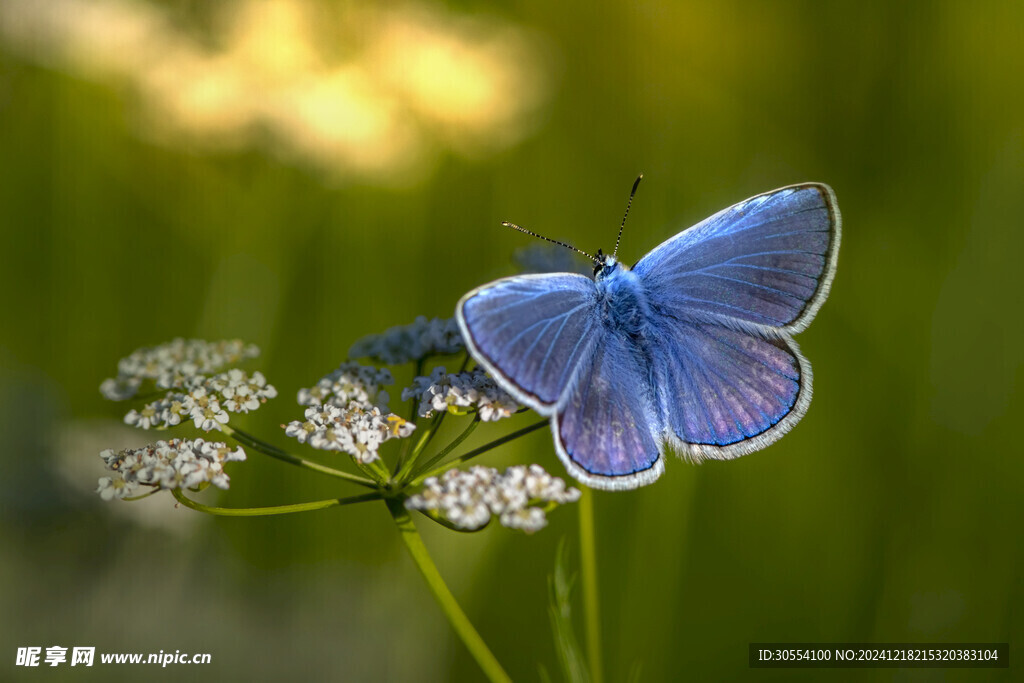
[[358, 429], [173, 364], [518, 497], [205, 400], [407, 343], [178, 463], [350, 382], [461, 393]]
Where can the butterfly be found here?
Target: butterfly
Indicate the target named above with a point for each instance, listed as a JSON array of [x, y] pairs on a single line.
[[692, 348]]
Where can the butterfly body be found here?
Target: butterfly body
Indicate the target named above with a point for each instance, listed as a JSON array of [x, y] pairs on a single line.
[[622, 299], [691, 348]]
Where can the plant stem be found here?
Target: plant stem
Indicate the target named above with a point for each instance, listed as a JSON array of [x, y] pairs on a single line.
[[275, 452], [450, 447], [375, 469], [591, 602], [275, 510], [414, 417], [406, 459], [458, 619], [141, 496], [478, 451]]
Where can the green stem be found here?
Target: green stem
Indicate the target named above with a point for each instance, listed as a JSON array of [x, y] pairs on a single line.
[[591, 602], [374, 469], [443, 453], [433, 516], [275, 510], [458, 619], [406, 463], [275, 452], [414, 417], [478, 451], [380, 469], [141, 496]]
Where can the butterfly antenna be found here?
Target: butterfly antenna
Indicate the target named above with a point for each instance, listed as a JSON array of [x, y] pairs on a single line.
[[548, 239], [632, 193]]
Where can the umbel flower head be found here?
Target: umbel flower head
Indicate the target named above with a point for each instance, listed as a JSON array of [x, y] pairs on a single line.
[[171, 365], [177, 463], [182, 367], [461, 393], [350, 382], [205, 400], [519, 497]]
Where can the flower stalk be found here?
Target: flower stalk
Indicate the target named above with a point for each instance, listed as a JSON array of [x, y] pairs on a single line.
[[443, 453], [274, 510], [456, 617], [478, 451], [275, 452]]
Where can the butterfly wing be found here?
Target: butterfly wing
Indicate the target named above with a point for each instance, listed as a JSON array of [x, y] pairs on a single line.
[[765, 262], [542, 338], [725, 296], [724, 392], [608, 427], [531, 332]]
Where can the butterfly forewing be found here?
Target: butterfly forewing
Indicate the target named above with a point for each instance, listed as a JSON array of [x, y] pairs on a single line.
[[767, 261], [531, 331]]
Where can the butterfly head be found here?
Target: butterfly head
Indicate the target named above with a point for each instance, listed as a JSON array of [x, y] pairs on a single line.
[[605, 265]]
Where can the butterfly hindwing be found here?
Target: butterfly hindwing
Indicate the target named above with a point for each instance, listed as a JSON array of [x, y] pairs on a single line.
[[608, 427], [724, 392], [765, 262], [531, 331]]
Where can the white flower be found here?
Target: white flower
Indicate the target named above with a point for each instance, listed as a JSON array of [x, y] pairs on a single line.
[[406, 343], [518, 497], [143, 419], [239, 391], [120, 388], [114, 487], [178, 463], [163, 413], [207, 402], [174, 364], [358, 430], [460, 394], [207, 414], [350, 382], [468, 514], [525, 519], [235, 390]]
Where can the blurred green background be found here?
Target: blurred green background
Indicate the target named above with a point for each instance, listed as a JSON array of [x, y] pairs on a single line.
[[299, 174]]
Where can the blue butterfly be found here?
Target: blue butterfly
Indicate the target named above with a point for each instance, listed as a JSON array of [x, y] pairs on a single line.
[[691, 348]]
